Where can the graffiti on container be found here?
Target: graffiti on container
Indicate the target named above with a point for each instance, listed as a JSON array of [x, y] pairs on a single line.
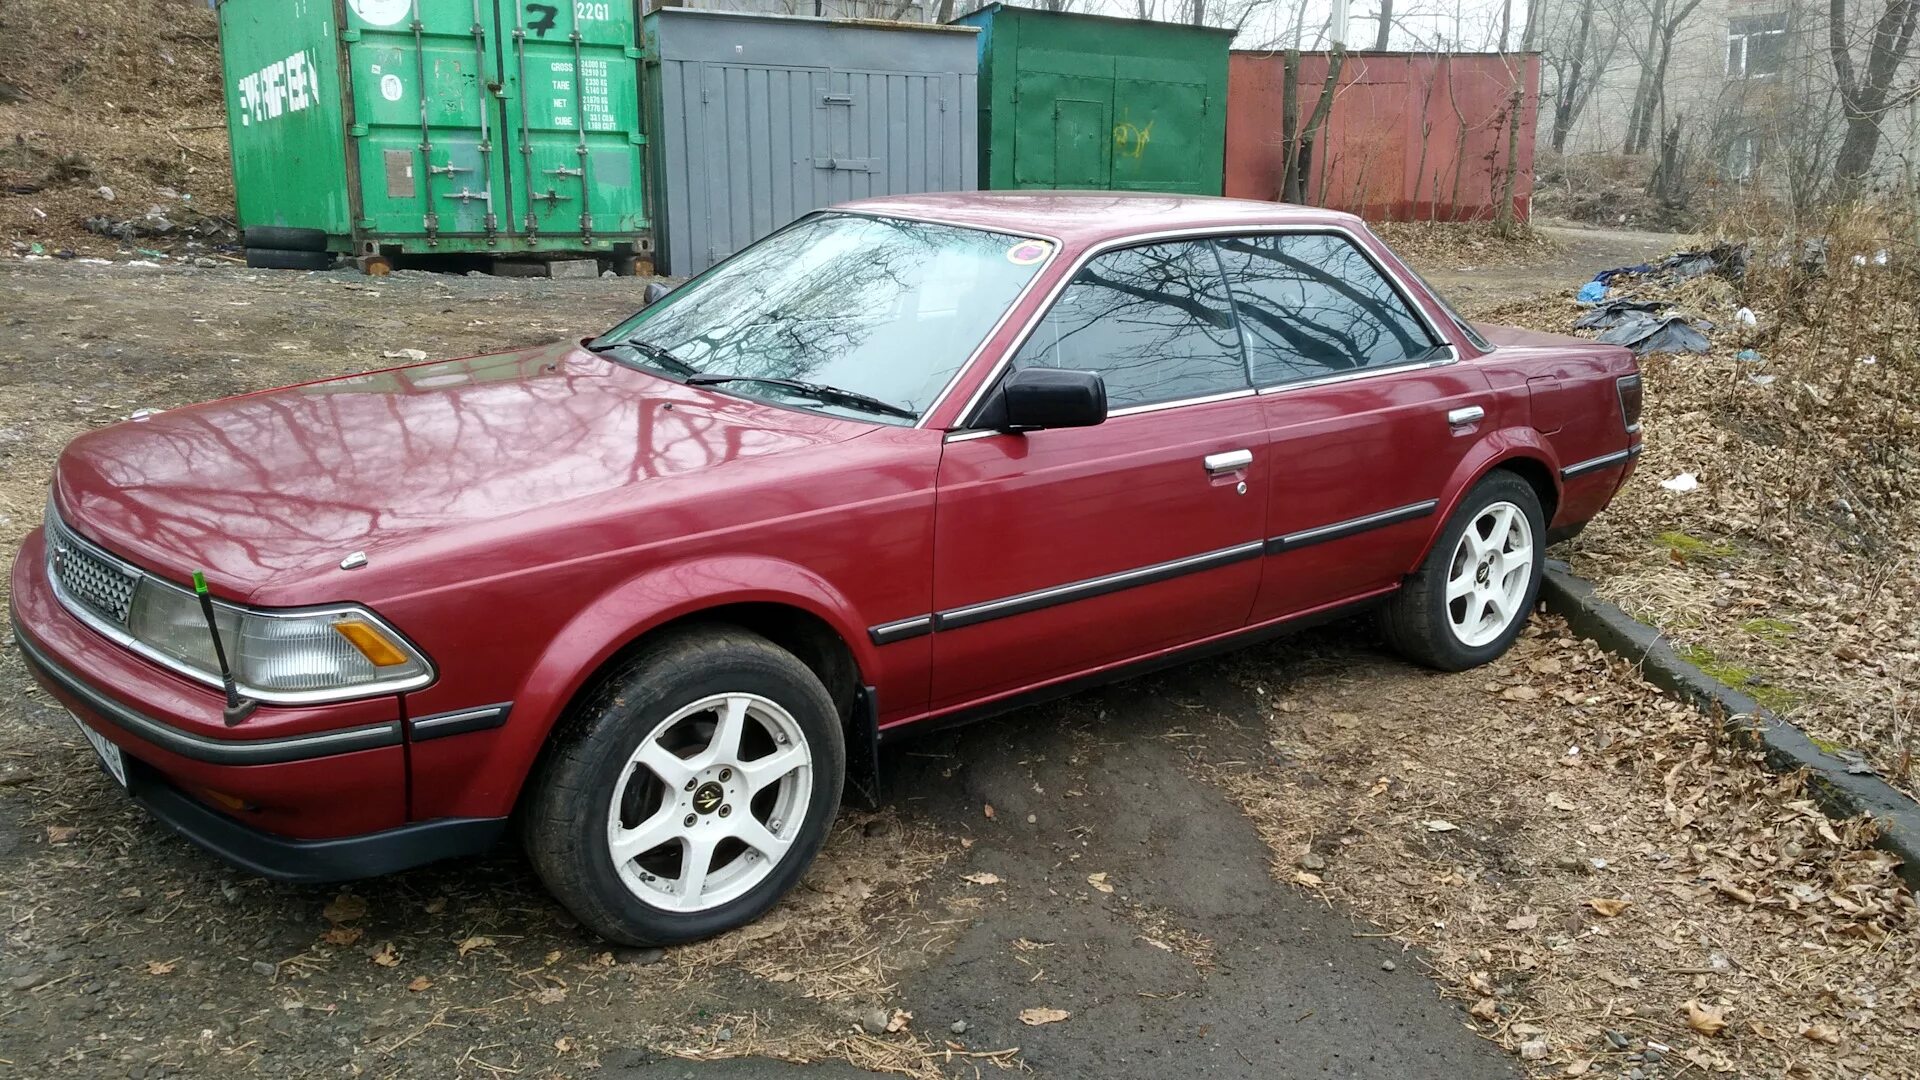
[[285, 86], [1131, 141], [545, 16]]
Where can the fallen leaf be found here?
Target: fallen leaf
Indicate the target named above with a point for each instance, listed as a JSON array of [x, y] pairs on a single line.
[[467, 945], [564, 1044], [1560, 802], [1036, 1017], [344, 908], [899, 1020], [1523, 922], [987, 808], [419, 983], [161, 967], [1440, 825], [1099, 881], [60, 834], [1310, 880], [1523, 692], [982, 878], [435, 906], [385, 955], [1821, 1033], [1379, 788], [1607, 907], [550, 995], [342, 935], [1705, 1019]]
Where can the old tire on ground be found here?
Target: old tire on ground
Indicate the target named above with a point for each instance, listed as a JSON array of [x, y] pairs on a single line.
[[1472, 595], [282, 238], [689, 790], [278, 259]]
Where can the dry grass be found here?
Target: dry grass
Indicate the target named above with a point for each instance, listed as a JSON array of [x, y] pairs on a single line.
[[1462, 244], [1793, 571], [1579, 855], [126, 96]]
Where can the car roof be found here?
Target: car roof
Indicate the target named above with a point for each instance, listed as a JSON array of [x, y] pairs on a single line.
[[1087, 217]]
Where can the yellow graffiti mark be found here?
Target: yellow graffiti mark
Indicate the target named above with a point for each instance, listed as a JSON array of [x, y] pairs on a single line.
[[1131, 141]]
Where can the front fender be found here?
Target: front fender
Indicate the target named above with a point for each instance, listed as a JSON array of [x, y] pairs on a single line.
[[659, 596], [1495, 449]]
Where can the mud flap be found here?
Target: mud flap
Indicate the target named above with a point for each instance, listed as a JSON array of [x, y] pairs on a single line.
[[863, 750]]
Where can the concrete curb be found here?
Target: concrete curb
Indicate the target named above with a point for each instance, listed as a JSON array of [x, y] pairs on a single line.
[[1786, 748]]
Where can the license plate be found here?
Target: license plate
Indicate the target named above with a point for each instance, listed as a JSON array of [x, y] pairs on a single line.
[[110, 758]]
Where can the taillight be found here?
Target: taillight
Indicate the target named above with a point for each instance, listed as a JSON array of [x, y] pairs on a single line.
[[1629, 386]]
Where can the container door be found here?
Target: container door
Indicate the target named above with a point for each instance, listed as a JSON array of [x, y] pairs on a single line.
[[1063, 134], [573, 118], [1156, 131], [428, 159]]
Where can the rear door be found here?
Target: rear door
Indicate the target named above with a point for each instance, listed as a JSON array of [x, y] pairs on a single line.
[[1065, 550], [1367, 412]]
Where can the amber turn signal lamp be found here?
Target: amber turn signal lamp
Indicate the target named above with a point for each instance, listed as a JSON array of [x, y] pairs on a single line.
[[378, 650]]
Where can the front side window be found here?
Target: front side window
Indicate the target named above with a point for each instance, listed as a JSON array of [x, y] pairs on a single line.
[[1154, 321], [1312, 305], [887, 308]]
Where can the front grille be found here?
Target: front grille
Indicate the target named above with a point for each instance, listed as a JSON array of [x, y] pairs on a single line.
[[89, 579]]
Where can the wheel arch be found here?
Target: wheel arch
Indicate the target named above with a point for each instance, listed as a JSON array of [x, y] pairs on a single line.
[[1521, 453], [786, 604]]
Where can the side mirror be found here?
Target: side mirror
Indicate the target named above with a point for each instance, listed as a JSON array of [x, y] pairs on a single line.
[[1053, 398], [654, 293]]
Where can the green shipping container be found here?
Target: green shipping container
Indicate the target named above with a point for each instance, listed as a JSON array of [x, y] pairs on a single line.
[[1088, 101], [439, 126]]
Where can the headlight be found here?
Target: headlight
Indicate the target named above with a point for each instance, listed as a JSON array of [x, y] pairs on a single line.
[[307, 654], [286, 657]]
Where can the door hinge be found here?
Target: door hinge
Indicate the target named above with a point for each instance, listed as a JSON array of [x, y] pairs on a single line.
[[351, 34], [633, 52], [358, 131]]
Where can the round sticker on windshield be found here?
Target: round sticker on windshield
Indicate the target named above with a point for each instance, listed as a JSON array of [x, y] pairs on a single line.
[[1026, 253]]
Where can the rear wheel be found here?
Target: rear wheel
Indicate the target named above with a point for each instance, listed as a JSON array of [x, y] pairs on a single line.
[[1472, 595], [690, 791]]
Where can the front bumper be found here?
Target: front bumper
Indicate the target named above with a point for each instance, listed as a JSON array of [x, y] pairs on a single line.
[[317, 793]]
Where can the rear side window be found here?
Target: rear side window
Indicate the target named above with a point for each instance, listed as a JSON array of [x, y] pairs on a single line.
[[1312, 305], [1153, 320]]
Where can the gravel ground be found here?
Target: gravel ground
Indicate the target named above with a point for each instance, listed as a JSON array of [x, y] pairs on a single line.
[[1141, 870]]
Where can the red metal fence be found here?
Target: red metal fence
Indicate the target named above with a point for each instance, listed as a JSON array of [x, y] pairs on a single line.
[[1410, 137]]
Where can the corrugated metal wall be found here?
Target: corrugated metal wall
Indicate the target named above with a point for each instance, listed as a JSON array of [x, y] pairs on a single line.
[[1411, 137], [746, 139]]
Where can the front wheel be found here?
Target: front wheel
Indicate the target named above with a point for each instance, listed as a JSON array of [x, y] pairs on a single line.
[[1471, 596], [690, 791]]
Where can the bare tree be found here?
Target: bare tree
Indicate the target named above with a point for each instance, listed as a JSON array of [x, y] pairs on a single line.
[[1666, 17], [1867, 95], [1386, 26]]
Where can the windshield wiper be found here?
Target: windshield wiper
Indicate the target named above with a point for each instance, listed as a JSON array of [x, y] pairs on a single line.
[[832, 395], [658, 354]]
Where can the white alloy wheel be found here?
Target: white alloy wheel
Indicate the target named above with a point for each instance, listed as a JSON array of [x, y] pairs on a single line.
[[1489, 573], [709, 802]]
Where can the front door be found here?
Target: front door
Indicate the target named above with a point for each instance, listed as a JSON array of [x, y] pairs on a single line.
[[1061, 551]]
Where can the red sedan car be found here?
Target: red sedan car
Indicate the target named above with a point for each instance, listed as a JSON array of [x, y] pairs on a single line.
[[657, 595]]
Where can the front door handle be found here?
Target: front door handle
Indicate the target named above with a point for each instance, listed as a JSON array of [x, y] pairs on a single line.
[[1472, 414], [1228, 461]]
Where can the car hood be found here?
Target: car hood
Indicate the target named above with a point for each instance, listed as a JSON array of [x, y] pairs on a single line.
[[283, 484]]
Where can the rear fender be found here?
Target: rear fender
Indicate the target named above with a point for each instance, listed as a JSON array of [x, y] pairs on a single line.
[[1496, 449]]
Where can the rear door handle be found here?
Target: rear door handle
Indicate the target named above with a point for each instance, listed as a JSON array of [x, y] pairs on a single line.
[[1228, 461], [1472, 414]]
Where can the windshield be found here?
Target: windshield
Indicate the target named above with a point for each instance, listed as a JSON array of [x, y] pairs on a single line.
[[884, 308]]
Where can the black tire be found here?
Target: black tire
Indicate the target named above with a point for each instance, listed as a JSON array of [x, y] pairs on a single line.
[[283, 238], [1418, 620], [277, 259], [564, 815]]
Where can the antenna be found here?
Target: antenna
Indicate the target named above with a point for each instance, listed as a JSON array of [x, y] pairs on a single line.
[[238, 708]]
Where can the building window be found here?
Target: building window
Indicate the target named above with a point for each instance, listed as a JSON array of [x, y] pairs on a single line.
[[1742, 155], [1756, 45]]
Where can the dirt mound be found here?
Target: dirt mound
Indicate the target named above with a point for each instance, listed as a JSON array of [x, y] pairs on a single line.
[[112, 128]]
